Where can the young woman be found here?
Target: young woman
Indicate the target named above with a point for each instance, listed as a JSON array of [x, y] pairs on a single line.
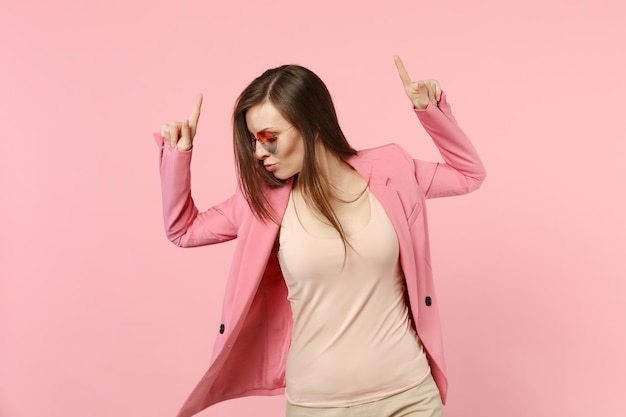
[[330, 297]]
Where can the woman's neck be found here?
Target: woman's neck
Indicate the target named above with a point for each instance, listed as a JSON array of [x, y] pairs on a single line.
[[344, 180]]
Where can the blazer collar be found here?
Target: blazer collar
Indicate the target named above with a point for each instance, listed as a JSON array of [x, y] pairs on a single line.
[[365, 169]]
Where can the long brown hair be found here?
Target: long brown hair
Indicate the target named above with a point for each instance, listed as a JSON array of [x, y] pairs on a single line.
[[303, 100]]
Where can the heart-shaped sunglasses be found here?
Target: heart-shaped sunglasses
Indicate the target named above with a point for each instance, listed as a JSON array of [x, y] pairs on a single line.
[[267, 139]]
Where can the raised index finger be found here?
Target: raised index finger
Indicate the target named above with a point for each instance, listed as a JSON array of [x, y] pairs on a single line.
[[195, 113], [404, 75]]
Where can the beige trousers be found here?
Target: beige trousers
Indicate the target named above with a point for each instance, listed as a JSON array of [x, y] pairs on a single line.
[[420, 401]]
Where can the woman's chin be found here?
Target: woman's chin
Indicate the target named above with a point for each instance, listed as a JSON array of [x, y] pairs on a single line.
[[283, 175]]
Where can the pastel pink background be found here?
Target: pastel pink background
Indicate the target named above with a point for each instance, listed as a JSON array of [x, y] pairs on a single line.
[[101, 316]]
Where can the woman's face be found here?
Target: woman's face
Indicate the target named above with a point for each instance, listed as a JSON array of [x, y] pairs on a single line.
[[279, 145]]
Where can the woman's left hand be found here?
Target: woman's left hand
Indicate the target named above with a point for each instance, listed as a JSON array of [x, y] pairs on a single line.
[[420, 92]]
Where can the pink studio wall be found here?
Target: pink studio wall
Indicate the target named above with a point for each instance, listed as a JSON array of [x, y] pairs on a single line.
[[101, 316]]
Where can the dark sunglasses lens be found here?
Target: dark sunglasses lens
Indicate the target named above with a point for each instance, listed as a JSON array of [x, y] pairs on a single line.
[[270, 146]]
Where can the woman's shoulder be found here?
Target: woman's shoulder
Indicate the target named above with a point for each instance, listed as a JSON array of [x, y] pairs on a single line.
[[388, 161], [388, 149], [390, 152]]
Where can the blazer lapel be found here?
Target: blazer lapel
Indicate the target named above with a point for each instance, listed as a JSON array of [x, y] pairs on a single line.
[[390, 200], [257, 245]]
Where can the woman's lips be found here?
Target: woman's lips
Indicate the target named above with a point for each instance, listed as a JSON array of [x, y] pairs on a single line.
[[270, 167]]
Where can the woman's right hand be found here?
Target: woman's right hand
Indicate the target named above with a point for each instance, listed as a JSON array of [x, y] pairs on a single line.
[[181, 134]]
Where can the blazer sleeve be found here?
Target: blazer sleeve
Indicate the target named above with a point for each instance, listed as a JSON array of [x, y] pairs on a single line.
[[185, 226], [462, 171]]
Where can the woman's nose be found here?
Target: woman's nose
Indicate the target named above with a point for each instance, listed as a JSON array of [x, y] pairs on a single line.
[[259, 151]]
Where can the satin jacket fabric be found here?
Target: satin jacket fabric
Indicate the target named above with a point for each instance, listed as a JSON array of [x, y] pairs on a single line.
[[253, 340]]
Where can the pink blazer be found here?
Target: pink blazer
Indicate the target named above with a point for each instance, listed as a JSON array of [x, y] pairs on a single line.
[[253, 340]]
